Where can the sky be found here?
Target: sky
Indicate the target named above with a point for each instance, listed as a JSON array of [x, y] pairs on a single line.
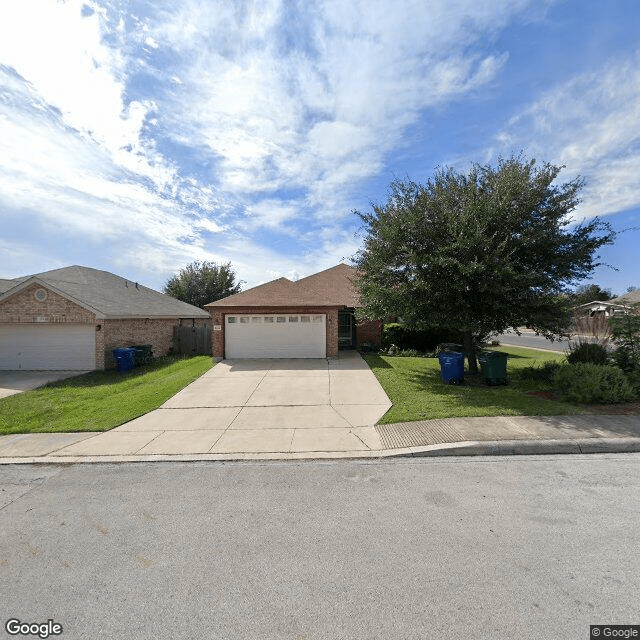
[[139, 136]]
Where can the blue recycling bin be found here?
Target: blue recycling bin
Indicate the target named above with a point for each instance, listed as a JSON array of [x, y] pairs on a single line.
[[124, 357], [451, 367]]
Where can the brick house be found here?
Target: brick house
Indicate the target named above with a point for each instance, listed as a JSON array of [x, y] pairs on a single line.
[[310, 318], [72, 318]]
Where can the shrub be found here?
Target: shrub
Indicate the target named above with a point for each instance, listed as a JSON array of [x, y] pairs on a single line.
[[633, 377], [394, 350], [626, 358], [588, 383], [587, 352], [596, 326], [419, 339], [545, 371], [625, 330]]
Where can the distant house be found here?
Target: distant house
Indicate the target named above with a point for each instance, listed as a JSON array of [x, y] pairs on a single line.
[[310, 318], [602, 308], [72, 318]]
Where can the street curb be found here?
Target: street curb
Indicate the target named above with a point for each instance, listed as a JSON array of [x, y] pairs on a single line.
[[526, 447], [467, 448]]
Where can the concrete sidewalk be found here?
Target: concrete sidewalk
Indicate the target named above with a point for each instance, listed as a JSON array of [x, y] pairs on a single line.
[[451, 436], [309, 409]]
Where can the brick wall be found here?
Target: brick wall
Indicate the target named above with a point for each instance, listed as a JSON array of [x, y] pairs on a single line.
[[129, 331], [368, 331], [23, 307], [218, 318]]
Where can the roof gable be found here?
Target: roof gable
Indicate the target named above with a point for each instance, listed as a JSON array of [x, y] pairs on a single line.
[[107, 295], [332, 287], [336, 283]]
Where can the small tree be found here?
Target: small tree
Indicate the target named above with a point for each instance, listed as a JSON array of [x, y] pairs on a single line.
[[202, 282], [480, 252], [625, 331]]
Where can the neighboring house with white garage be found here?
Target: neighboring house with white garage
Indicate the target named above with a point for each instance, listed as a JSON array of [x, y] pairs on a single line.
[[310, 318], [72, 318], [606, 309]]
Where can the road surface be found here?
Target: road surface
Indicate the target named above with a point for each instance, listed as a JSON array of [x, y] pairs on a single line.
[[519, 548], [530, 339]]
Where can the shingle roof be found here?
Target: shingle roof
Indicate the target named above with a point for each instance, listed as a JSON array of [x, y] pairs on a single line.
[[628, 298], [108, 295], [332, 287]]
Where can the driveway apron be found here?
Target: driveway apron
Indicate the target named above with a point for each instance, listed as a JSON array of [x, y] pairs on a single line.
[[13, 382], [258, 406]]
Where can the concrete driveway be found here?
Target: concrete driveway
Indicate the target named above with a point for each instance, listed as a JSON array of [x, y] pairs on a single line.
[[258, 406], [12, 382]]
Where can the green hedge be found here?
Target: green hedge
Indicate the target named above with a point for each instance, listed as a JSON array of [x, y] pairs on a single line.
[[587, 352], [589, 383], [418, 339]]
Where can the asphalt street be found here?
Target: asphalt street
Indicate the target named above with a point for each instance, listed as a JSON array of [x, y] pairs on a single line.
[[517, 547], [531, 340]]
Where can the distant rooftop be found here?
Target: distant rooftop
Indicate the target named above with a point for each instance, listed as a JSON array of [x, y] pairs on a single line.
[[628, 298], [106, 294]]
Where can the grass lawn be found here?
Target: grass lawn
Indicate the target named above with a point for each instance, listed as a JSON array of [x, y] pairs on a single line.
[[99, 400], [417, 393]]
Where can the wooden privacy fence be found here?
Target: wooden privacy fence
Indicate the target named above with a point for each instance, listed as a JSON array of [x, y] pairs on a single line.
[[192, 340]]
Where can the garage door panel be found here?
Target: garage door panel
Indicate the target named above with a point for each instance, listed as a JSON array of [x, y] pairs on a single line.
[[47, 347], [251, 336]]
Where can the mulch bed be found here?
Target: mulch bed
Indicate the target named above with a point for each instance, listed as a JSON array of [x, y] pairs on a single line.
[[547, 395], [624, 409]]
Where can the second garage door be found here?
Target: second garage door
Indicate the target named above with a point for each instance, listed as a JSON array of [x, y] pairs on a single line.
[[47, 347], [275, 336]]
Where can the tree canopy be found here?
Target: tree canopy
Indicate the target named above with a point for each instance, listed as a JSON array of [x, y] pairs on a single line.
[[590, 293], [200, 283], [480, 252]]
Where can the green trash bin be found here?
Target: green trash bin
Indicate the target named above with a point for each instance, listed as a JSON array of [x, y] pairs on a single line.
[[493, 367], [143, 353]]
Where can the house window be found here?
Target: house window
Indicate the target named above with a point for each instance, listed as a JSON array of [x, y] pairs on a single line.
[[281, 319], [268, 318], [305, 318], [231, 320], [244, 320], [293, 318], [317, 318]]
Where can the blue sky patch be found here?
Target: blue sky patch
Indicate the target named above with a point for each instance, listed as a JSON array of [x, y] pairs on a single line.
[[249, 132]]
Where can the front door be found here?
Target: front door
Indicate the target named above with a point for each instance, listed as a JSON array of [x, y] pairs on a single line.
[[346, 330]]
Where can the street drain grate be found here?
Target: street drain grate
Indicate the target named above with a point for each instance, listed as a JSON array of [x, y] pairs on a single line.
[[417, 434]]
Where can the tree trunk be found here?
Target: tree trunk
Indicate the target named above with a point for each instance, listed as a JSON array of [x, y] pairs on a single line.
[[469, 347]]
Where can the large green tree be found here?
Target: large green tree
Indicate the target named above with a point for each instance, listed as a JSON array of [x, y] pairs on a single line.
[[484, 251], [202, 282]]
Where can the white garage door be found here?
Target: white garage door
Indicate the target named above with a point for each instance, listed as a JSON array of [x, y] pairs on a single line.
[[275, 336], [47, 347]]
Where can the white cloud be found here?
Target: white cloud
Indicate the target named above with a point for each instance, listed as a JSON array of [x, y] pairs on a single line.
[[591, 124], [271, 213], [75, 71], [287, 106], [53, 181], [322, 114]]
